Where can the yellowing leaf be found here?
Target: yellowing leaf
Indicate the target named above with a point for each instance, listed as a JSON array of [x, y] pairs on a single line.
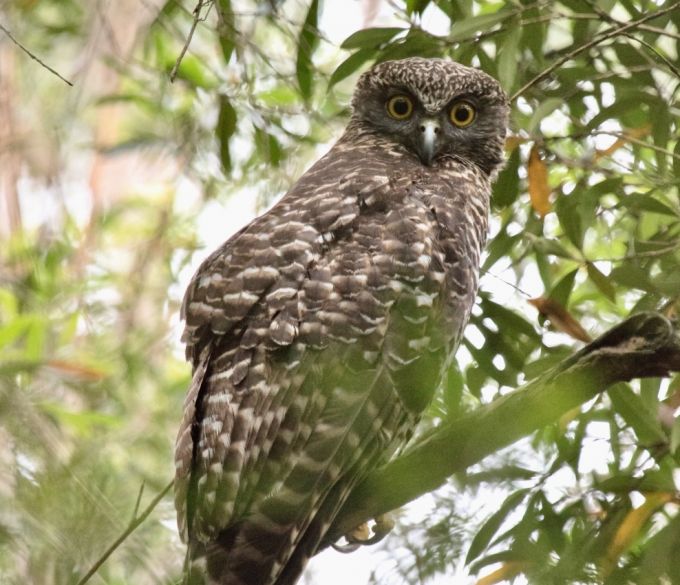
[[506, 572], [601, 281], [76, 371], [513, 141], [630, 527], [619, 142], [539, 190], [560, 318]]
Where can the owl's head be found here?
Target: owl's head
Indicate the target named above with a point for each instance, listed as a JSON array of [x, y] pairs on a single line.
[[435, 108]]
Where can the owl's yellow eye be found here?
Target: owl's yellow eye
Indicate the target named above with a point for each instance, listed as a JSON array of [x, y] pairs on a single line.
[[462, 114], [400, 107]]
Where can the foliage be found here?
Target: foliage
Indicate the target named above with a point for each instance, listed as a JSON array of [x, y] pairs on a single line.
[[586, 220]]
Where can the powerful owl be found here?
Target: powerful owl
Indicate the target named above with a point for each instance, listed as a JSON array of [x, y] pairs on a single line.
[[320, 332]]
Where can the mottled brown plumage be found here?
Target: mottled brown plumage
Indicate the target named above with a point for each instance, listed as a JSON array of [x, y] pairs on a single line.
[[320, 332]]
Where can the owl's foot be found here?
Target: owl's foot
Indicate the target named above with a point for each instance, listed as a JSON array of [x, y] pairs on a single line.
[[361, 535]]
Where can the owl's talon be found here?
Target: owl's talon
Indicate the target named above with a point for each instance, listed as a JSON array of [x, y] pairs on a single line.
[[345, 548], [361, 535], [384, 524]]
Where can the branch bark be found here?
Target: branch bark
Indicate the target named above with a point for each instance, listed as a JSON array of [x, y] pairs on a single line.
[[644, 345]]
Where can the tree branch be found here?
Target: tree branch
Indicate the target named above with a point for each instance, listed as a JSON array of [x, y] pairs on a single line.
[[34, 57], [134, 524], [194, 24], [644, 345], [608, 34]]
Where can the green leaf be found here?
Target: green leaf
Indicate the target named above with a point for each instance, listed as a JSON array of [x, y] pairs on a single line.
[[417, 6], [601, 281], [371, 38], [647, 202], [281, 95], [506, 188], [417, 43], [533, 35], [566, 208], [307, 42], [194, 71], [225, 28], [500, 474], [36, 337], [618, 110], [82, 423], [544, 109], [675, 436], [350, 65], [632, 276], [661, 129], [551, 247], [660, 560], [637, 414], [453, 390], [668, 283], [268, 146], [509, 56], [481, 22], [508, 320], [562, 290], [484, 535], [226, 126]]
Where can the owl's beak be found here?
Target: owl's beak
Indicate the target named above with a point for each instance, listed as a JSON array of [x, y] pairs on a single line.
[[429, 135]]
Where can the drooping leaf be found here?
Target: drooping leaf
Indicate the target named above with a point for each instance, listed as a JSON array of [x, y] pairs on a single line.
[[560, 318], [226, 126], [226, 28], [660, 561], [481, 22], [416, 6], [539, 190], [371, 38], [562, 290], [350, 65], [487, 531], [509, 56], [418, 43], [544, 109], [637, 414], [619, 142], [307, 43], [506, 188], [630, 527], [601, 281]]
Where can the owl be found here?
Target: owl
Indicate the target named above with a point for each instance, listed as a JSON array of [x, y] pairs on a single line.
[[320, 332]]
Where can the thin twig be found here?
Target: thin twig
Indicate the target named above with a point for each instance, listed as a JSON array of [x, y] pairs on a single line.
[[194, 24], [642, 143], [136, 522], [139, 501], [32, 56], [656, 52], [612, 32]]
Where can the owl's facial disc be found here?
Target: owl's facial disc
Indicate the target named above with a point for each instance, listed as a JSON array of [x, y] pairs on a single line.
[[428, 142]]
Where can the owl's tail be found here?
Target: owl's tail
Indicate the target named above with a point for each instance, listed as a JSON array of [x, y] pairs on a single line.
[[250, 553], [223, 563]]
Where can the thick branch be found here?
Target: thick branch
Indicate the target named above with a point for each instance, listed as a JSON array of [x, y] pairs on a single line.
[[642, 346]]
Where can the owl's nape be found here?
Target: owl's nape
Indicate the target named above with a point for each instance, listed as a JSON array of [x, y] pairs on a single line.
[[320, 332]]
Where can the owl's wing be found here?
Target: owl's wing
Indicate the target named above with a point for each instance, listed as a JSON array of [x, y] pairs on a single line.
[[243, 300], [315, 416], [312, 334]]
